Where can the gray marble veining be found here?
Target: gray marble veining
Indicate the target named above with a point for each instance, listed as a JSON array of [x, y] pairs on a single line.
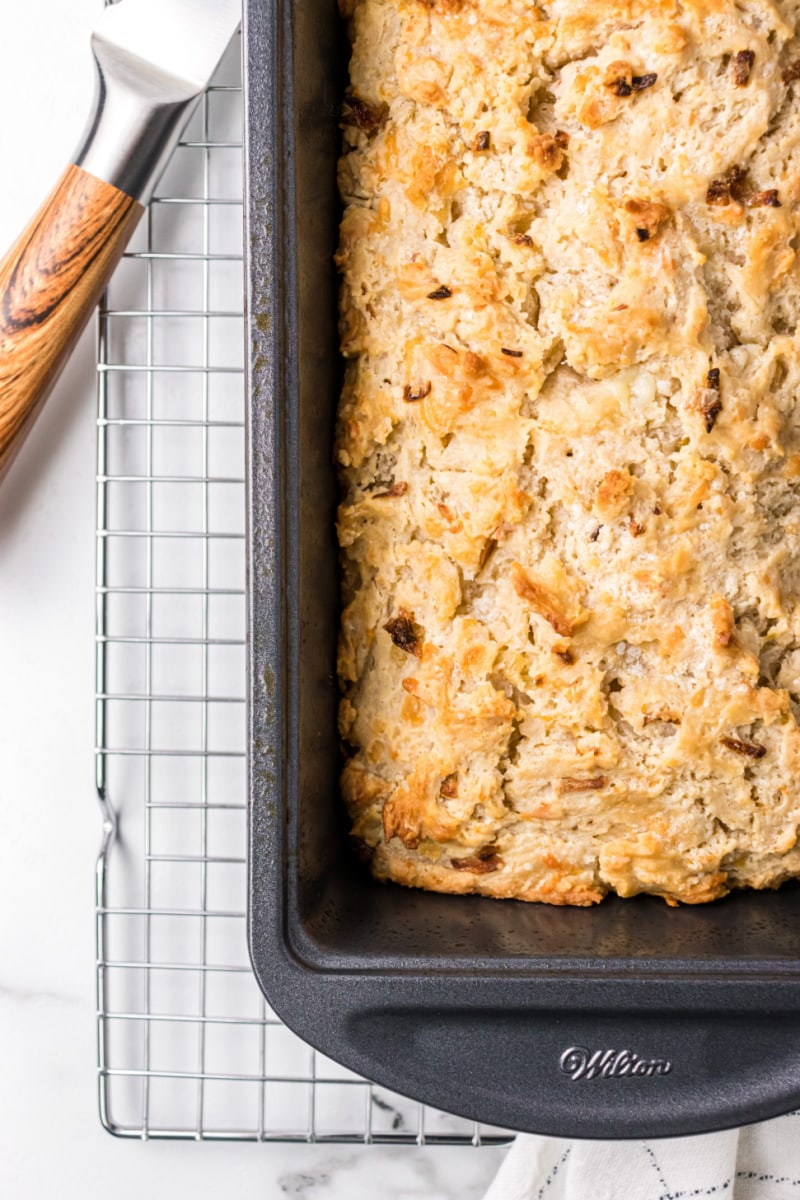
[[390, 1173]]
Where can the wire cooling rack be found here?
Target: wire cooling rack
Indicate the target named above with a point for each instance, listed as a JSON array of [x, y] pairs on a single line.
[[187, 1047]]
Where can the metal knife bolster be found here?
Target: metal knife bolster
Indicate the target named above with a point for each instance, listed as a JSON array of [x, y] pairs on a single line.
[[139, 114]]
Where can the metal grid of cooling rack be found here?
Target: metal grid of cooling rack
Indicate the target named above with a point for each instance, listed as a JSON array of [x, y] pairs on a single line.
[[187, 1047]]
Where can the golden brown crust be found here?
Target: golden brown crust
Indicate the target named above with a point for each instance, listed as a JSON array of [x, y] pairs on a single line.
[[569, 445]]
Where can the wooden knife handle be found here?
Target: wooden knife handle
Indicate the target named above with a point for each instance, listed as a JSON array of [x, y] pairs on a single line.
[[50, 282]]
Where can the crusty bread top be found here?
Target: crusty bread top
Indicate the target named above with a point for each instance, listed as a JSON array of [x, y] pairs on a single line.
[[570, 446]]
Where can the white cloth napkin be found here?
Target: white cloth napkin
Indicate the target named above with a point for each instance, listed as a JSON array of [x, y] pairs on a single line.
[[760, 1162]]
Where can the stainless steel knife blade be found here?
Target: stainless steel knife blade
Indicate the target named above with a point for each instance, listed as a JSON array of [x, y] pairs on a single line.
[[154, 58], [183, 38]]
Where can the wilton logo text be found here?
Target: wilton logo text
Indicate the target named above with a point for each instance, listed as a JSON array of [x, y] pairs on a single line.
[[580, 1063]]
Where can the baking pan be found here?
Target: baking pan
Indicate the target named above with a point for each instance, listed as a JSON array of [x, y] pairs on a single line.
[[626, 1020]]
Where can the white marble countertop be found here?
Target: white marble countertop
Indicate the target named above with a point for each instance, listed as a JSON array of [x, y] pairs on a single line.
[[51, 1142]]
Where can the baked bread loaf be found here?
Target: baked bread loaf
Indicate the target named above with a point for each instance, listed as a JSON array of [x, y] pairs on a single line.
[[569, 445]]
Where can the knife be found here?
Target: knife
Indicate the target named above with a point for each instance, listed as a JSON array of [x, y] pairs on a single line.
[[154, 59]]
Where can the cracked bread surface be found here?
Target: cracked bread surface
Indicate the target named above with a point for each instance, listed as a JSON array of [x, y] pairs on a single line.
[[569, 445]]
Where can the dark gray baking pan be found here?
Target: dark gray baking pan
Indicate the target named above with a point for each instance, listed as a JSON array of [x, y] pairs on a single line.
[[626, 1020]]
